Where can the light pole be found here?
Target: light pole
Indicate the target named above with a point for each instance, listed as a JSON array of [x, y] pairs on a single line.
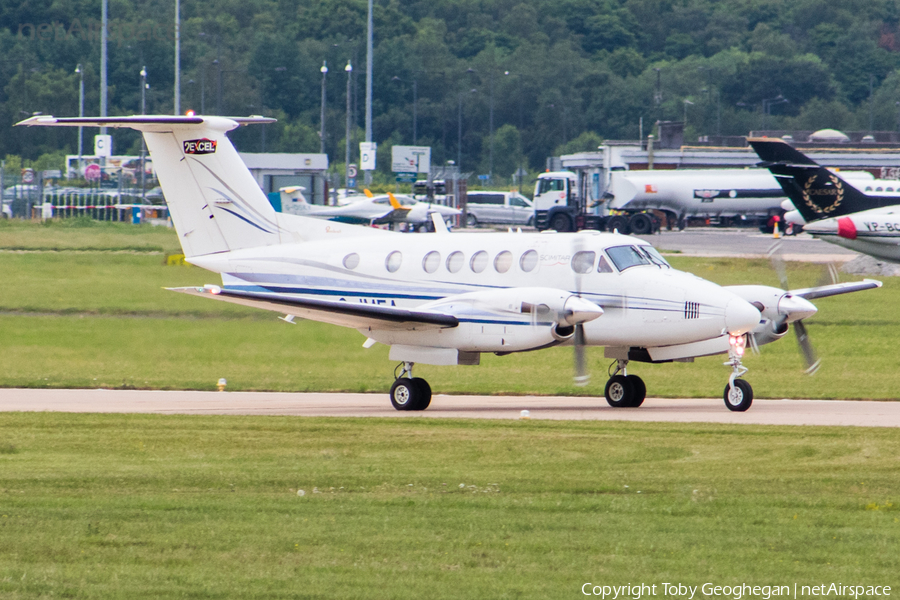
[[144, 87], [324, 71], [657, 96], [686, 104], [177, 57], [349, 70], [80, 70], [459, 129], [767, 107]]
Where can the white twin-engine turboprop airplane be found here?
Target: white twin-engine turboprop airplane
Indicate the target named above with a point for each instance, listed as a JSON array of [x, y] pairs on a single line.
[[443, 298]]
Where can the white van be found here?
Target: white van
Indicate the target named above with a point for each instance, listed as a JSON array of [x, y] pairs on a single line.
[[507, 208]]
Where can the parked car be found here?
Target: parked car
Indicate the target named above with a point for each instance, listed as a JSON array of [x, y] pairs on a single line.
[[507, 208]]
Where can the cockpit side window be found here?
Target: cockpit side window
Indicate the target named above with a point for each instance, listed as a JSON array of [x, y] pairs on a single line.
[[603, 265], [625, 257]]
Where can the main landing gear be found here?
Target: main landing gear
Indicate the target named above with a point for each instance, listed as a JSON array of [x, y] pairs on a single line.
[[623, 390], [738, 393], [408, 392]]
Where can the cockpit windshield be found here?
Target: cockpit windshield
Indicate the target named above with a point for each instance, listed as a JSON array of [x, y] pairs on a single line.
[[625, 257], [654, 256]]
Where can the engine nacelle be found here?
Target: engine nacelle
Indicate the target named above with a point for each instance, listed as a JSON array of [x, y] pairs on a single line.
[[769, 331], [540, 306]]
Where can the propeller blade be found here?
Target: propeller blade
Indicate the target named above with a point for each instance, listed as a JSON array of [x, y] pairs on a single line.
[[581, 375], [809, 353], [777, 259]]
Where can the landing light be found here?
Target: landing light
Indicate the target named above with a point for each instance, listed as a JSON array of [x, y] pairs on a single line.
[[738, 344]]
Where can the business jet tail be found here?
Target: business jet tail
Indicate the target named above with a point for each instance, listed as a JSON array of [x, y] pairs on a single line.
[[215, 203], [815, 192]]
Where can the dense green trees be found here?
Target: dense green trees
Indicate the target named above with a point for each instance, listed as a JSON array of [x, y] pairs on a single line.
[[555, 74]]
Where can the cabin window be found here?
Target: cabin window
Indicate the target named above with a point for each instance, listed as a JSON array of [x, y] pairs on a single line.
[[503, 261], [879, 189], [479, 261], [392, 263], [583, 262], [890, 189], [351, 261], [868, 188], [625, 257], [529, 261], [431, 262], [455, 261], [603, 265]]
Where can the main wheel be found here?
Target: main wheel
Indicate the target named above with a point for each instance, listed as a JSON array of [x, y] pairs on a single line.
[[561, 223], [471, 221], [740, 397], [424, 394], [619, 391], [618, 223], [641, 224], [405, 394], [640, 390]]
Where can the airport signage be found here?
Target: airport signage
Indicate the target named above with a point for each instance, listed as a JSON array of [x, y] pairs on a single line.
[[406, 159], [406, 177], [367, 152]]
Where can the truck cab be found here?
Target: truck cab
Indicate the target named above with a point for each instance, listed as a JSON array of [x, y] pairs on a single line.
[[555, 201]]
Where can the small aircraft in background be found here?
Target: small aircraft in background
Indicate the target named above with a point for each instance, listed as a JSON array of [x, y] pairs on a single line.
[[442, 298], [367, 208], [829, 207]]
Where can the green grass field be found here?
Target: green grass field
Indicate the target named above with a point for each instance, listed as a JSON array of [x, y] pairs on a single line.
[[142, 506], [150, 506], [96, 315]]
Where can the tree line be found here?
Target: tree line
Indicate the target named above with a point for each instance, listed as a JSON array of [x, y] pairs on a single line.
[[494, 84]]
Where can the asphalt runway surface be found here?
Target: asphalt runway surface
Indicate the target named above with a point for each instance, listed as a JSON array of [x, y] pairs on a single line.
[[763, 412], [747, 242]]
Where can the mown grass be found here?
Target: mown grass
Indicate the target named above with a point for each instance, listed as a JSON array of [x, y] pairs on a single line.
[[103, 319], [82, 233], [142, 506]]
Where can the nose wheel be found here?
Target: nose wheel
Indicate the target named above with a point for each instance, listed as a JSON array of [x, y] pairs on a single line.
[[408, 392], [623, 390], [738, 393]]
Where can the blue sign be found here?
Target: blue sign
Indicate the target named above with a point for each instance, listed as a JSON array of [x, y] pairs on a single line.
[[484, 177], [406, 177], [351, 182]]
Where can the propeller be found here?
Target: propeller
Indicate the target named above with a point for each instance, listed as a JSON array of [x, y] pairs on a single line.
[[793, 309], [582, 377]]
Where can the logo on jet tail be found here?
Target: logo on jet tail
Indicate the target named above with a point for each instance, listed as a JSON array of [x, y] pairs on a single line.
[[201, 146], [823, 193]]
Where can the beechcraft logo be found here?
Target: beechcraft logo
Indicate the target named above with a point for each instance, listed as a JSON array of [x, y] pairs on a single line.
[[203, 146]]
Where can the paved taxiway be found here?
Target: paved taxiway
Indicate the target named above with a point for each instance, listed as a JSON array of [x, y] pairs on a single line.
[[763, 412], [747, 242]]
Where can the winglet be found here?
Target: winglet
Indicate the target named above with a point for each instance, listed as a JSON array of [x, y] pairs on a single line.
[[368, 193], [394, 203], [439, 225]]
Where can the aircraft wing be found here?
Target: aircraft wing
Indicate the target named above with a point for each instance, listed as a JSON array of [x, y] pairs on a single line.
[[838, 288], [346, 314]]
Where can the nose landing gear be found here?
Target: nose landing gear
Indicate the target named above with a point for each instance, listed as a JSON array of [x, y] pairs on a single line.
[[623, 390], [738, 393], [408, 392]]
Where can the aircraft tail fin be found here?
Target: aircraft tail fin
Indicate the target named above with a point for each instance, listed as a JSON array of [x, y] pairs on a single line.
[[215, 203], [816, 192]]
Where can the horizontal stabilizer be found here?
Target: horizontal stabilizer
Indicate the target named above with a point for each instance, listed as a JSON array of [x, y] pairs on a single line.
[[139, 122], [346, 314]]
